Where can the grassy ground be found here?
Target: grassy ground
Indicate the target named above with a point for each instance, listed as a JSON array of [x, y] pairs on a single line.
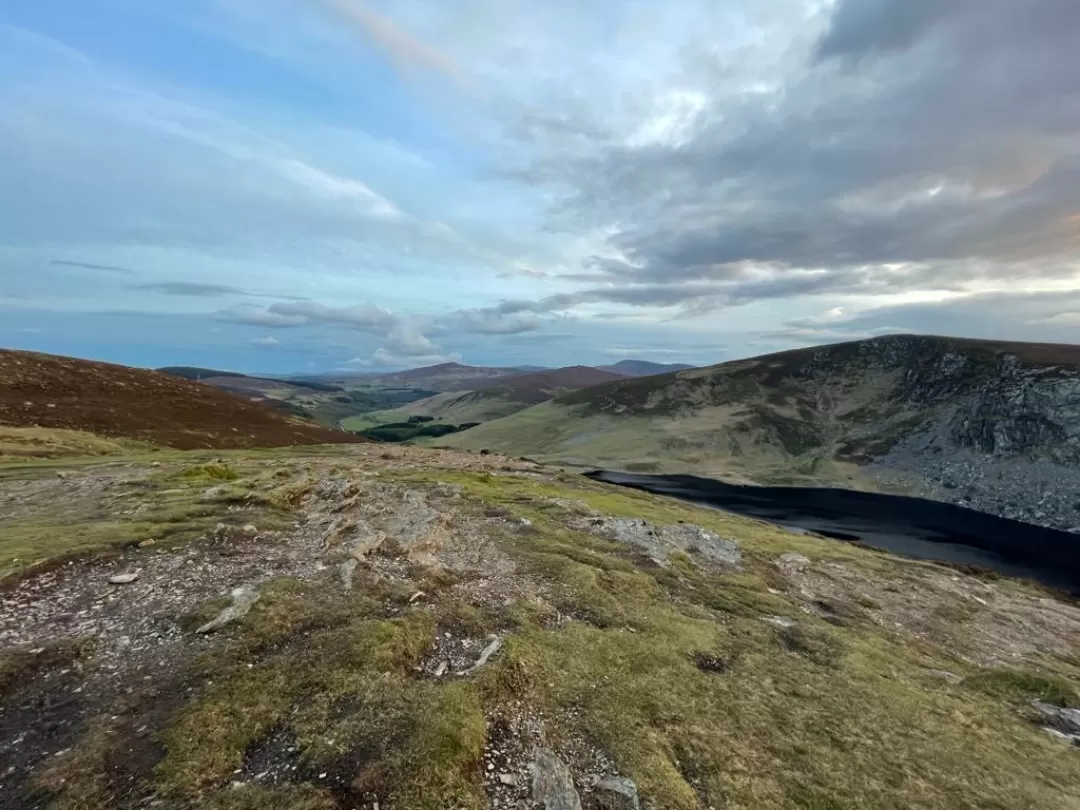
[[156, 507], [35, 443], [370, 420], [672, 672]]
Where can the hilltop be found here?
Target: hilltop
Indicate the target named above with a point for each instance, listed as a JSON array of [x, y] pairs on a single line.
[[47, 391], [991, 424]]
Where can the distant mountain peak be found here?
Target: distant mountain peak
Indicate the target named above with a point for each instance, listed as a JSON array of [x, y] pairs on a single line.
[[643, 368]]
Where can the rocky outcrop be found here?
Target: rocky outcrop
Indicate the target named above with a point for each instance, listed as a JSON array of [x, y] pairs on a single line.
[[991, 426]]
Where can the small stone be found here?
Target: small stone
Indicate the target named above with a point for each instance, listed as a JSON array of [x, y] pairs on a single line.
[[617, 793], [124, 579], [507, 779], [250, 530], [440, 670], [552, 783], [491, 766], [415, 596], [348, 570], [488, 651], [243, 598], [780, 621]]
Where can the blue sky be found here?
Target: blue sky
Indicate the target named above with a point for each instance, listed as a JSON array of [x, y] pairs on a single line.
[[293, 185]]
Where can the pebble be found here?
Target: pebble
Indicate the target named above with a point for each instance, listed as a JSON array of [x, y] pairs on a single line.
[[780, 621], [124, 579]]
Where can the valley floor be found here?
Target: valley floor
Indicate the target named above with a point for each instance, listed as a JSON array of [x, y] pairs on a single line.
[[372, 626]]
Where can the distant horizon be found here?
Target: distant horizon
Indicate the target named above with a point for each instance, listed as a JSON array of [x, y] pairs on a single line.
[[369, 371]]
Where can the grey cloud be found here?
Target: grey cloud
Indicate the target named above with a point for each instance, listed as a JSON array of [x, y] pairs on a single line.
[[1043, 316], [193, 289], [489, 322], [880, 25], [365, 316], [952, 154], [263, 317], [105, 268], [403, 335]]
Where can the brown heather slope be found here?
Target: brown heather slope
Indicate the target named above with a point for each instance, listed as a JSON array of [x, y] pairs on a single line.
[[116, 401]]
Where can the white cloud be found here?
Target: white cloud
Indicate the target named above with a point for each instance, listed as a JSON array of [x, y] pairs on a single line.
[[266, 341], [383, 357], [263, 317]]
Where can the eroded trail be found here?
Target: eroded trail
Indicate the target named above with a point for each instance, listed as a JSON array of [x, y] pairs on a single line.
[[425, 629]]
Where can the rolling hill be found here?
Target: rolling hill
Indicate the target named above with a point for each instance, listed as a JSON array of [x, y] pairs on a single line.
[[994, 425], [444, 377], [47, 391], [496, 397]]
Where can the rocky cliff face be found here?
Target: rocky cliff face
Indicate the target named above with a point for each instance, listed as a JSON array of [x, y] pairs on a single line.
[[997, 425]]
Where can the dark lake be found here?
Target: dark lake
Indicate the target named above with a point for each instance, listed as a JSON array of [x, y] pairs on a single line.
[[912, 527]]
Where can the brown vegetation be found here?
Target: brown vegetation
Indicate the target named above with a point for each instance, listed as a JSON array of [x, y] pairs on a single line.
[[41, 390]]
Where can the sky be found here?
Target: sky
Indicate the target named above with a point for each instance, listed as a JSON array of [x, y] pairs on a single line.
[[315, 185]]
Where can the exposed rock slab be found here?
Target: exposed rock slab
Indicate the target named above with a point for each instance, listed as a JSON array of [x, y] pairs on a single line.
[[660, 542]]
